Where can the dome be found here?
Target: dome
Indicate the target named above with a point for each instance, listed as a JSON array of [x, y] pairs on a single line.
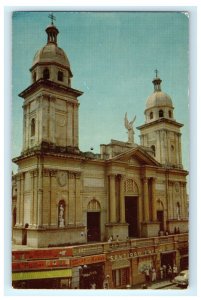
[[51, 53], [158, 99]]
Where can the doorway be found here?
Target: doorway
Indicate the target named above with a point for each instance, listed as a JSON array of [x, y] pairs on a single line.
[[168, 258], [93, 226], [131, 213], [160, 218]]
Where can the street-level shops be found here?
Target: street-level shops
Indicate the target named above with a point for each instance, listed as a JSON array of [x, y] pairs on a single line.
[[48, 279], [99, 265]]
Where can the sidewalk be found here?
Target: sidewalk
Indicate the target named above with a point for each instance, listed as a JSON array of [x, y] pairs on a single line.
[[154, 285]]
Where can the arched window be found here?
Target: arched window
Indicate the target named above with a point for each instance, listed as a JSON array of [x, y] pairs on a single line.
[[46, 74], [161, 113], [154, 149], [151, 115], [60, 76], [170, 114], [33, 127], [93, 205]]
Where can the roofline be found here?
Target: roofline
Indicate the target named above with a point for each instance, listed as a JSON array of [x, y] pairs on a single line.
[[160, 121], [137, 148], [48, 83]]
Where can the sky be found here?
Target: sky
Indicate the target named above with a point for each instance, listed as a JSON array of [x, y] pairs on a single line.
[[113, 56]]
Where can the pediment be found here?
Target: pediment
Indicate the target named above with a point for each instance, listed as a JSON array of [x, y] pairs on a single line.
[[137, 157]]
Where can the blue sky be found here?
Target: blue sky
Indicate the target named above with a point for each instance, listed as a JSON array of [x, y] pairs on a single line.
[[113, 56]]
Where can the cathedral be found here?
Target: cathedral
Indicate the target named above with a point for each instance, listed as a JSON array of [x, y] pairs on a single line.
[[63, 196]]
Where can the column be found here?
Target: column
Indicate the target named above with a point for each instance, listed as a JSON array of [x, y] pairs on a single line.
[[154, 214], [24, 127], [170, 202], [35, 197], [71, 188], [184, 213], [32, 197], [78, 206], [69, 125], [50, 198], [53, 209], [18, 201], [122, 200], [22, 199], [146, 199], [177, 148], [180, 151], [76, 106], [157, 151], [112, 199], [40, 196]]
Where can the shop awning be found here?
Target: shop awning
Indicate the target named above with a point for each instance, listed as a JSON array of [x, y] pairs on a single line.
[[41, 274]]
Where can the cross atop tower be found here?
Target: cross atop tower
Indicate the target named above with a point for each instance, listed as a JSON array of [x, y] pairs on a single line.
[[52, 17], [156, 71]]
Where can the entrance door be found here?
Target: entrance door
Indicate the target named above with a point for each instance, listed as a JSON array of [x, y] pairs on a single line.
[[160, 219], [168, 259], [93, 226], [131, 215]]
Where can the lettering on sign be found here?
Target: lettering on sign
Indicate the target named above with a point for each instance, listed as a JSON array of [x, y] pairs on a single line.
[[133, 254], [87, 260]]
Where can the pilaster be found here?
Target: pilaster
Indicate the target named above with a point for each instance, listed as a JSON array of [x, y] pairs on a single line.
[[112, 199], [146, 199]]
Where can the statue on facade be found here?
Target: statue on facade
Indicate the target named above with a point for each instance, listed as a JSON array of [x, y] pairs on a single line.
[[61, 216], [129, 127]]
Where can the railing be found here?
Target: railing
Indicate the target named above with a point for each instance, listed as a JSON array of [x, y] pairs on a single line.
[[97, 248]]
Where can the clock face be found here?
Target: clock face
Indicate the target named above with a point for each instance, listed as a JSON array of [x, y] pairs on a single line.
[[62, 178]]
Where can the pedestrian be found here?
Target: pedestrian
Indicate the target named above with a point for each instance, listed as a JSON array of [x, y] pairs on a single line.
[[169, 271], [110, 239], [153, 277], [161, 273], [93, 286], [175, 271], [164, 271], [147, 275]]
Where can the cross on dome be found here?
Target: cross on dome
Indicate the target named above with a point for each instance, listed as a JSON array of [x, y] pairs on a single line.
[[156, 71], [52, 17]]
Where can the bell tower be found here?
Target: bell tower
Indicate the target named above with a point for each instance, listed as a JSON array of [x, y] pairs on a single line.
[[50, 107], [161, 132]]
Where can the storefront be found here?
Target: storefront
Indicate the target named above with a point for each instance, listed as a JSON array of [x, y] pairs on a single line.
[[91, 276], [121, 273], [88, 272], [184, 259], [168, 258], [51, 279]]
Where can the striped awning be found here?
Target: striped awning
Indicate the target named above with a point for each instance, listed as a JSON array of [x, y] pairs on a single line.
[[41, 274]]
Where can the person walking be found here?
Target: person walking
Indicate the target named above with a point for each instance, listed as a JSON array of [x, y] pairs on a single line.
[[175, 271], [169, 271], [153, 277], [161, 273], [147, 275], [164, 271]]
